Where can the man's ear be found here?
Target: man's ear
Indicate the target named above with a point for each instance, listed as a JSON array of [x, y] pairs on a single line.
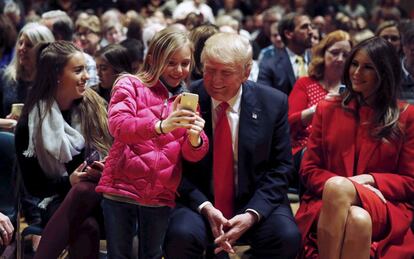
[[246, 72], [288, 34]]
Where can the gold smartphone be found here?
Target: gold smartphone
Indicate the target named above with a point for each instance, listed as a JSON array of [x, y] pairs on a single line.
[[189, 101]]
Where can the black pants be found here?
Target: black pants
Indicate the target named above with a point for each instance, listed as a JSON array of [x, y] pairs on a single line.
[[189, 235]]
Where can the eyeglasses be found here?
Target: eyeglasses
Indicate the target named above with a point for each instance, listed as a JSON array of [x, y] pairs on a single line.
[[392, 38], [336, 53], [84, 33]]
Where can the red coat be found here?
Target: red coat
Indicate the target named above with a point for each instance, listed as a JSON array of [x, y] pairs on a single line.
[[305, 93], [331, 152]]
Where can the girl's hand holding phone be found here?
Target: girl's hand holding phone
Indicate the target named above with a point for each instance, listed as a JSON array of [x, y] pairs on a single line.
[[179, 118], [195, 130]]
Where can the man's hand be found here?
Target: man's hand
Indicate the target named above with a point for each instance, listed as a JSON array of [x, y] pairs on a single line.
[[215, 218], [236, 227], [6, 230], [217, 223]]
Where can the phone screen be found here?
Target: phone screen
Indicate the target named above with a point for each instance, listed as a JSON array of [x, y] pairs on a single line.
[[189, 101], [94, 156]]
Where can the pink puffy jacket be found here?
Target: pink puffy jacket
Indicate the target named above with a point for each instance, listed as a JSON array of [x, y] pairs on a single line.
[[143, 165]]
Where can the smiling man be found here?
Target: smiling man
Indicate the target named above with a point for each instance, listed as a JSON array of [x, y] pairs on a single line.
[[237, 193]]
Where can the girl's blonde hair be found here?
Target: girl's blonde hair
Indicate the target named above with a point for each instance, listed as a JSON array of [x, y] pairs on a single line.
[[164, 44]]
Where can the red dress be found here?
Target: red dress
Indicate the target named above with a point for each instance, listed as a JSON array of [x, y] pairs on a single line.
[[341, 145], [306, 93]]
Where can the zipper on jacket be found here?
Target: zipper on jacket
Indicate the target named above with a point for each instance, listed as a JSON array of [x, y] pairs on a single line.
[[164, 108], [157, 155]]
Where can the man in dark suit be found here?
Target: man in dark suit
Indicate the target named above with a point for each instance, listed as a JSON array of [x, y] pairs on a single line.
[[289, 63], [257, 212]]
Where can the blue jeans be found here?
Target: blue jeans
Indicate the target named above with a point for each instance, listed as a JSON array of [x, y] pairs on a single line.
[[123, 220]]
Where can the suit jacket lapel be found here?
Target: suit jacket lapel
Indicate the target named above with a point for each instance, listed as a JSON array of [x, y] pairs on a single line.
[[205, 110], [249, 126], [285, 63]]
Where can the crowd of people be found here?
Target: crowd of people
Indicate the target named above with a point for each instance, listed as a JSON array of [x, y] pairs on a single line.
[[312, 97]]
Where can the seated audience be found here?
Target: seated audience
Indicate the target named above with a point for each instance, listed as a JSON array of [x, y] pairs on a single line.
[[358, 168]]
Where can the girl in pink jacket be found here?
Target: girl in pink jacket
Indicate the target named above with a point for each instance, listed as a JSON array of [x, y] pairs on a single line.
[[151, 137]]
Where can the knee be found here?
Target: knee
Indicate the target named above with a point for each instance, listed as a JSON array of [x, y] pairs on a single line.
[[182, 241], [291, 242], [358, 222], [178, 236], [90, 227], [284, 243], [81, 192], [338, 191]]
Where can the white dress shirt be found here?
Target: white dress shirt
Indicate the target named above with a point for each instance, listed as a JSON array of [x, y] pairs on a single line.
[[233, 116]]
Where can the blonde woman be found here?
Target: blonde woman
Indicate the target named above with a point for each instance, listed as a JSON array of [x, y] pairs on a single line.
[[18, 76]]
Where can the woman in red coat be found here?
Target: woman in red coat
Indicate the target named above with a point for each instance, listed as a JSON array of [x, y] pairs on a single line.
[[325, 73], [358, 169]]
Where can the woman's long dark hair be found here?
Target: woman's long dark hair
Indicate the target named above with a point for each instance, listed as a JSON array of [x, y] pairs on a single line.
[[51, 60], [384, 102]]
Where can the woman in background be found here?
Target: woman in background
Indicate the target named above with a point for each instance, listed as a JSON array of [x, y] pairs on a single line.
[[18, 76], [325, 73]]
